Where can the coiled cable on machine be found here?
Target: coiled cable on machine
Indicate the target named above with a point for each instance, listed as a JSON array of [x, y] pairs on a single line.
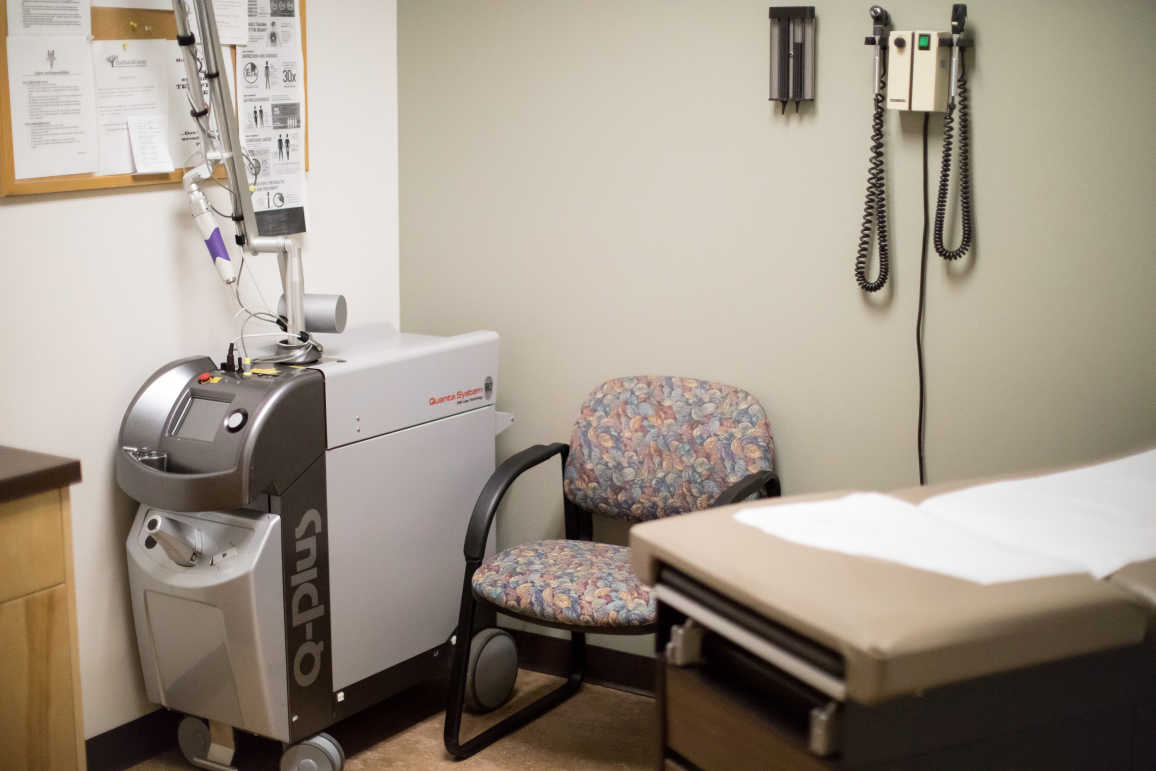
[[964, 172], [875, 205]]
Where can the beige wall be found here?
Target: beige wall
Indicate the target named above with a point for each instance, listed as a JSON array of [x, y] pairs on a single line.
[[98, 290], [606, 185]]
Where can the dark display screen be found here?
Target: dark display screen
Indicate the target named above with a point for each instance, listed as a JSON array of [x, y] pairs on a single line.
[[202, 420]]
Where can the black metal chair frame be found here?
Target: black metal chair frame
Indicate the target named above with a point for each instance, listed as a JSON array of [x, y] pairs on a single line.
[[579, 526]]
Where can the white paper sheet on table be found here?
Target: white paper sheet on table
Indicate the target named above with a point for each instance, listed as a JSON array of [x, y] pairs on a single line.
[[53, 114], [1096, 520], [879, 526], [49, 17], [1102, 516]]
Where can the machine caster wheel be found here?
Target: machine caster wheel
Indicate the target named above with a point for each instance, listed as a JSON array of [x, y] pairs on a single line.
[[204, 745], [317, 753], [492, 670]]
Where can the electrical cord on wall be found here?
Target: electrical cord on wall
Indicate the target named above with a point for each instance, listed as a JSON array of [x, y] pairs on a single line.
[[922, 303], [940, 217]]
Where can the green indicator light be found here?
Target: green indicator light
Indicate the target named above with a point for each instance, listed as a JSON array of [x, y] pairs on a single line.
[[924, 42]]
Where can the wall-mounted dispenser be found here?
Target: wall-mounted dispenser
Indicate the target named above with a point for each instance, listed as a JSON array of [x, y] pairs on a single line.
[[792, 54]]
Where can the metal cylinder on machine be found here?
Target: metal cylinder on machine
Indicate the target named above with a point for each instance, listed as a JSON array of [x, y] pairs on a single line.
[[323, 312]]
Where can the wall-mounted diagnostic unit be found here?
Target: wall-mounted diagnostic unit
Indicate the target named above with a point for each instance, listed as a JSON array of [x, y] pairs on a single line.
[[917, 71], [792, 54]]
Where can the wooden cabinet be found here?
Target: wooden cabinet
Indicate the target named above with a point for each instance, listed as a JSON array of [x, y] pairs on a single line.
[[40, 710]]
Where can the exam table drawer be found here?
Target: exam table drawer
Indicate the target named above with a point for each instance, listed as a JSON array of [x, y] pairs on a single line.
[[706, 725]]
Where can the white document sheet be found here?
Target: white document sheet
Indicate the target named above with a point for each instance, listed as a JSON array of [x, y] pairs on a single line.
[[184, 138], [271, 113], [130, 77], [150, 144], [886, 528], [1102, 516], [49, 17], [53, 117], [232, 21], [154, 5]]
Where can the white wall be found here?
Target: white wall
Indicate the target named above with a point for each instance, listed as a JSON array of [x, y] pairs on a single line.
[[607, 186], [98, 290]]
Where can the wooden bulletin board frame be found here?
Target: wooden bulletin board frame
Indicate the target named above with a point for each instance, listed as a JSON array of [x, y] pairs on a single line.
[[108, 24]]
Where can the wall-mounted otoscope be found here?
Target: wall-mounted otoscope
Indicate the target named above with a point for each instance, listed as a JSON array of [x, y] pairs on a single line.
[[875, 206], [921, 80], [958, 97]]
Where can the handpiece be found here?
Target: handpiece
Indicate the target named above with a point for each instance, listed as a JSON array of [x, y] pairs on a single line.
[[957, 100], [874, 226]]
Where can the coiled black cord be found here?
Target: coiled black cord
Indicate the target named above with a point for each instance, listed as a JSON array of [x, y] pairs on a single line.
[[875, 205], [964, 172]]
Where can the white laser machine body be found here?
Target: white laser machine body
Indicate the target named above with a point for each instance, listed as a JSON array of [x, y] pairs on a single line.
[[296, 554]]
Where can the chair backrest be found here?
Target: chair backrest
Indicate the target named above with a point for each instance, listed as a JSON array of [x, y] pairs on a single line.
[[651, 446]]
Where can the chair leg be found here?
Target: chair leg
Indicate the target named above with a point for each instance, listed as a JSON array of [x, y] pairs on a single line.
[[457, 690]]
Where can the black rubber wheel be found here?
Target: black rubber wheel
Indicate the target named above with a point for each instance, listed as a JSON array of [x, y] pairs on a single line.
[[493, 670]]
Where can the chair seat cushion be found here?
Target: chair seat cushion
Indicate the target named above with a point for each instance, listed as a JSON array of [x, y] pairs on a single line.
[[568, 583]]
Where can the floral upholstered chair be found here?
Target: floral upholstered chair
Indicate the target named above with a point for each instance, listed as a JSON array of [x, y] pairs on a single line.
[[642, 448]]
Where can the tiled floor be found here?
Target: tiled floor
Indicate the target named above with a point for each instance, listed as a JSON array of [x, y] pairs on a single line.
[[598, 728]]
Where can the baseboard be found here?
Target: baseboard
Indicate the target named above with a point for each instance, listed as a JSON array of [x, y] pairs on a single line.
[[604, 666], [134, 742]]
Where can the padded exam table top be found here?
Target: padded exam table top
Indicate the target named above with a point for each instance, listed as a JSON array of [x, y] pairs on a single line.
[[899, 629]]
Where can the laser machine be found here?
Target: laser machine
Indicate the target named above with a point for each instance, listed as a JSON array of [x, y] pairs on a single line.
[[297, 550]]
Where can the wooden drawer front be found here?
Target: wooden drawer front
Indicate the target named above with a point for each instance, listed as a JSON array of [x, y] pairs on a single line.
[[32, 545], [37, 714], [713, 731]]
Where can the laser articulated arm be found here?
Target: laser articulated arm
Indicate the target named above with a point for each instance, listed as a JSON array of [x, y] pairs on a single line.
[[223, 147]]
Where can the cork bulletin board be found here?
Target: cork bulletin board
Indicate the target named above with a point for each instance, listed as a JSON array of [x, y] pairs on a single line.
[[107, 24]]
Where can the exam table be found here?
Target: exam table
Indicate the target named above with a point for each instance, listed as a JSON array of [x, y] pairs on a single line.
[[772, 654]]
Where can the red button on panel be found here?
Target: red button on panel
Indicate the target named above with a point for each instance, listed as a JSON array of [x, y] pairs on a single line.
[[203, 377]]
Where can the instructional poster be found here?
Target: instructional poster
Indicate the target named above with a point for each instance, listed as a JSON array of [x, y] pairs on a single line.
[[53, 116], [271, 111]]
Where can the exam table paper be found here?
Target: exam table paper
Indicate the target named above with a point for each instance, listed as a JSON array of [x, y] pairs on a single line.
[[1095, 519], [1101, 516], [886, 528]]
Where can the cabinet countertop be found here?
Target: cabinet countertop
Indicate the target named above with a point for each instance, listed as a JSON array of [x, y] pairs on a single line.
[[23, 472]]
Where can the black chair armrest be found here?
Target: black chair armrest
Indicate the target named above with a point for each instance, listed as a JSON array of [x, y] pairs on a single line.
[[496, 486], [765, 482]]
